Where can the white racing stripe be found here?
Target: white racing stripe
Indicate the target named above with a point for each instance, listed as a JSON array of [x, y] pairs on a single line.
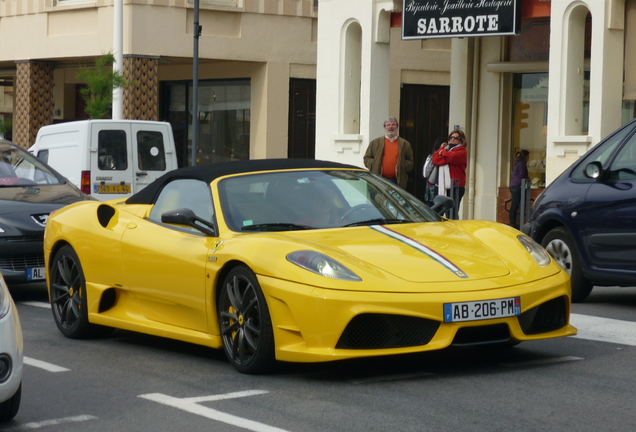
[[44, 365], [604, 329], [420, 247], [191, 405]]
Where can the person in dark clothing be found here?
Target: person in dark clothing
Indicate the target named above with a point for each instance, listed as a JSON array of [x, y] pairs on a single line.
[[519, 172]]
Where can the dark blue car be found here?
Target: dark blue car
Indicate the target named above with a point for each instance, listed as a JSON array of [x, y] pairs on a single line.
[[586, 218]]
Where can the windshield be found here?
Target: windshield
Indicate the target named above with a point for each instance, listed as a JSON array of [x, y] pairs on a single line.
[[293, 200], [19, 168]]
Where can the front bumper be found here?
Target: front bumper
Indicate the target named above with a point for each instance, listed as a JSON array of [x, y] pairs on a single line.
[[310, 323], [19, 255]]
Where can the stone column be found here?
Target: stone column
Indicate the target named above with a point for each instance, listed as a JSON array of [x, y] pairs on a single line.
[[141, 101], [33, 100]]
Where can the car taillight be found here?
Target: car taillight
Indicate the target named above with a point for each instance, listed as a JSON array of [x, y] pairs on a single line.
[[86, 182]]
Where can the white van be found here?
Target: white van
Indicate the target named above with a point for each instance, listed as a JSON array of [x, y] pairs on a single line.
[[108, 159]]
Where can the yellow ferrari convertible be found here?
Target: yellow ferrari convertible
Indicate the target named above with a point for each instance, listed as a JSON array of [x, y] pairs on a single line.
[[297, 261]]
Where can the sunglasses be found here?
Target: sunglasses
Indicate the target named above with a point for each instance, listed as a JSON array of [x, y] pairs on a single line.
[[454, 137]]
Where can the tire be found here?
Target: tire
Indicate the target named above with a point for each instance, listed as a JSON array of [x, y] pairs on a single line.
[[559, 243], [10, 407], [68, 296], [245, 323]]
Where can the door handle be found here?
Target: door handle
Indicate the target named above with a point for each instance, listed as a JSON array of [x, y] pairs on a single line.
[[142, 173]]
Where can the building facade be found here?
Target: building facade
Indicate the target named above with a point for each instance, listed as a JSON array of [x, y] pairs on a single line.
[[250, 53], [277, 81], [556, 89]]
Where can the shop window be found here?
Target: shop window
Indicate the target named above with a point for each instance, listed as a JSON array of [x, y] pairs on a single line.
[[530, 122], [224, 119], [530, 119]]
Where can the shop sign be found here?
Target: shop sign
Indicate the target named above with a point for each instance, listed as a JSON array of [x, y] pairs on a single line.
[[424, 19]]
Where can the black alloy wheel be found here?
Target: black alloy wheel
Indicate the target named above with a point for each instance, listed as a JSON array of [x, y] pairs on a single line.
[[244, 320], [68, 296]]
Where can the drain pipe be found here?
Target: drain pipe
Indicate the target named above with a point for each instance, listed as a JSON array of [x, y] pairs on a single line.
[[472, 159]]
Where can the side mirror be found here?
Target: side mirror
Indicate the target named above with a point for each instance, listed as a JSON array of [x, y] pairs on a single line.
[[442, 204], [187, 217], [594, 170]]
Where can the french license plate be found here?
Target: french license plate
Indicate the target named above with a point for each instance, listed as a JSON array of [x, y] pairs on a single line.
[[481, 310], [112, 189], [35, 273]]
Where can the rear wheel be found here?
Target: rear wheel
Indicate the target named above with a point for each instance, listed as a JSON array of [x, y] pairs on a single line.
[[560, 244], [10, 407], [245, 323], [68, 296]]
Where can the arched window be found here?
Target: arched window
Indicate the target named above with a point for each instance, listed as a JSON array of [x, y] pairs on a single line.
[[351, 74], [574, 121]]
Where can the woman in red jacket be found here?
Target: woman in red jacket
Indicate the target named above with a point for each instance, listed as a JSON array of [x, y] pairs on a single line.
[[453, 155]]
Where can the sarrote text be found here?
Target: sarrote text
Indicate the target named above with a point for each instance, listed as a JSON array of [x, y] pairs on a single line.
[[456, 24]]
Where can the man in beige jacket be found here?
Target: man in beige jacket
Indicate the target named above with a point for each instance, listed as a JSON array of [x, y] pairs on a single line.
[[390, 156]]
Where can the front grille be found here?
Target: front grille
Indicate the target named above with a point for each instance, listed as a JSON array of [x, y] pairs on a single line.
[[493, 333], [544, 318], [378, 331], [22, 261]]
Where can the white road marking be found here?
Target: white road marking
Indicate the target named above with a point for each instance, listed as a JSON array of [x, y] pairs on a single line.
[[44, 365], [225, 396], [542, 361], [604, 329], [42, 305], [191, 405], [38, 425]]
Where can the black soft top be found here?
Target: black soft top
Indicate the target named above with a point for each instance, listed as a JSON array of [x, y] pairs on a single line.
[[208, 173]]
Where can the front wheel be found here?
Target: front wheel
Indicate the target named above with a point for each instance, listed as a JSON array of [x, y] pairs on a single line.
[[244, 320], [10, 407], [560, 244], [68, 296]]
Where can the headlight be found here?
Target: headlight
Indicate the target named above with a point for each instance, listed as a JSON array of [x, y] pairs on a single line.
[[323, 265], [5, 299], [538, 253]]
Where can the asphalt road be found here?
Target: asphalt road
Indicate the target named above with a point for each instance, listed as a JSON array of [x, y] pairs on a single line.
[[132, 382]]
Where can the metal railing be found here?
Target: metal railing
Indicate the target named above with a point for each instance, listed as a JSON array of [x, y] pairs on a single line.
[[524, 205], [454, 194]]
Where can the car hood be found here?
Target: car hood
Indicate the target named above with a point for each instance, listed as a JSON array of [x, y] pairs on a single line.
[[425, 252], [432, 252], [24, 211]]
